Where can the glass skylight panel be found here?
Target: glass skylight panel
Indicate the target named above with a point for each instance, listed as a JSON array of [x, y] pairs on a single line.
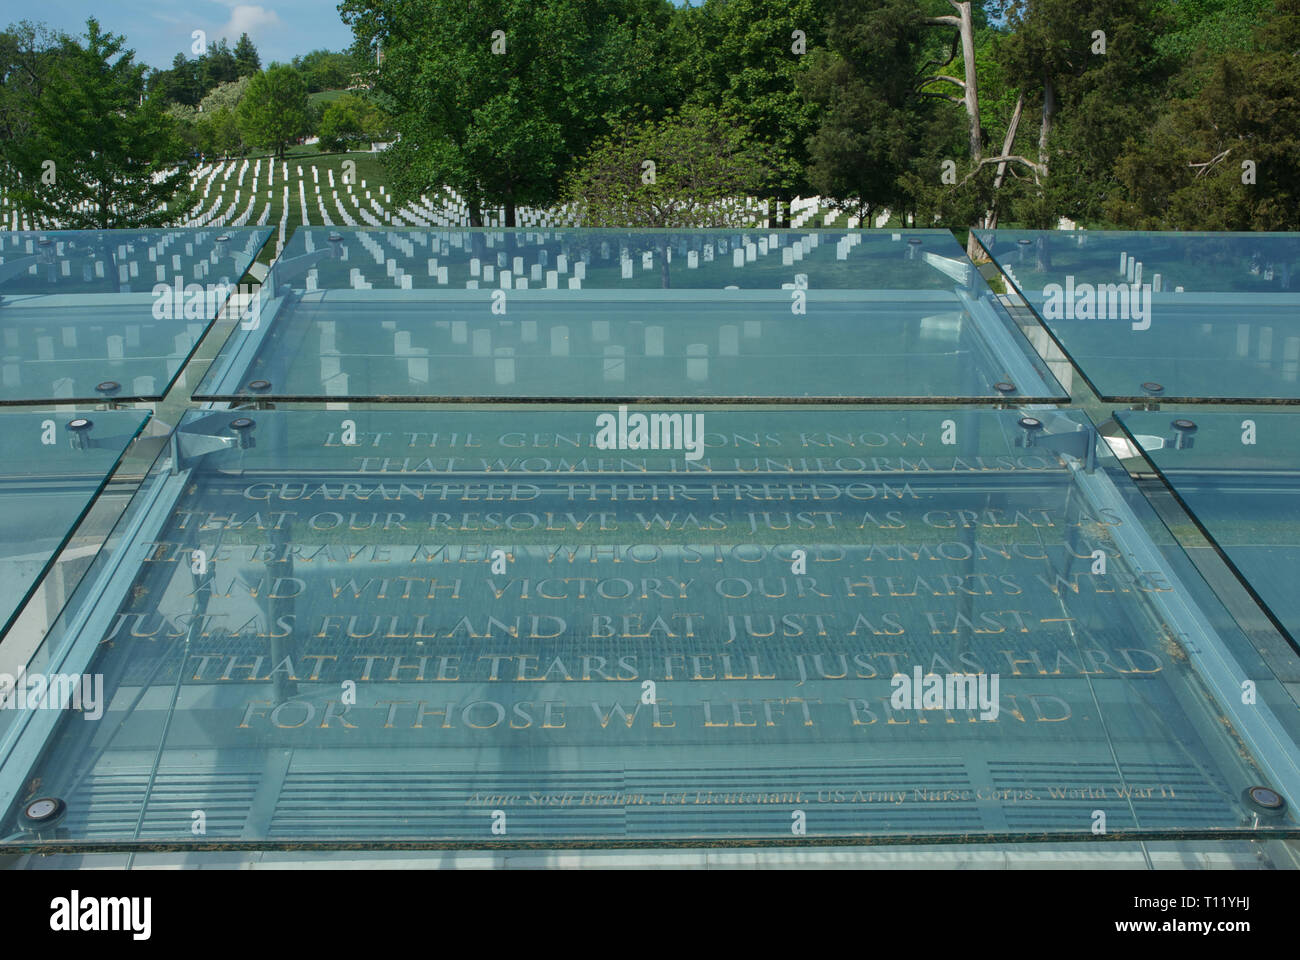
[[1236, 473], [1176, 316], [52, 466], [645, 624], [605, 315], [96, 315]]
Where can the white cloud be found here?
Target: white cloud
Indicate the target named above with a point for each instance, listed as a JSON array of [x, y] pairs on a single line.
[[250, 20]]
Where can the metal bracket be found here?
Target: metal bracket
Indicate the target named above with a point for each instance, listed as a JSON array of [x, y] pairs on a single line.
[[1079, 441], [205, 436], [80, 438]]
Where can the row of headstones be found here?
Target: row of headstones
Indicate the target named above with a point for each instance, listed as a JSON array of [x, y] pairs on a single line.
[[524, 272], [131, 259], [1131, 269], [115, 346], [744, 250], [563, 339], [203, 215], [455, 212], [614, 356], [66, 387]]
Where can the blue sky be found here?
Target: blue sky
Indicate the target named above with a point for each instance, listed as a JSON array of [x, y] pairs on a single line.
[[158, 29]]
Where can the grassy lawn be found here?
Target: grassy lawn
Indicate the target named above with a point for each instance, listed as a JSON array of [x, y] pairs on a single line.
[[322, 97], [368, 169]]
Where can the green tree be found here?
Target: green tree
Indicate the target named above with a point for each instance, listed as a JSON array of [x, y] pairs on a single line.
[[1214, 26], [872, 117], [747, 58], [273, 111], [497, 99], [180, 84], [327, 70], [685, 170], [350, 120], [187, 122], [219, 134], [341, 124], [247, 62], [692, 169], [228, 95], [29, 56], [1089, 72], [1226, 156], [95, 156], [898, 109], [376, 125], [217, 65]]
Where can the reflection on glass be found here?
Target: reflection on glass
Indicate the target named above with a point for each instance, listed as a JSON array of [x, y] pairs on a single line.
[[1191, 316], [1237, 475], [52, 466], [93, 315], [585, 314], [526, 623]]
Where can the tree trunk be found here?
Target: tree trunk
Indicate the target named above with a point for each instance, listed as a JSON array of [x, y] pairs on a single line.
[[990, 221], [475, 213], [972, 81], [1049, 111], [510, 212]]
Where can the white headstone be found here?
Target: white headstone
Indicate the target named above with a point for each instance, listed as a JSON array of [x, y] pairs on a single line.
[[654, 341], [615, 366], [504, 368], [697, 362], [728, 340]]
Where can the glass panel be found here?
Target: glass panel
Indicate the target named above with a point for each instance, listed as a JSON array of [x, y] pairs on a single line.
[[87, 315], [52, 466], [1237, 474], [1183, 316], [462, 625], [586, 314]]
